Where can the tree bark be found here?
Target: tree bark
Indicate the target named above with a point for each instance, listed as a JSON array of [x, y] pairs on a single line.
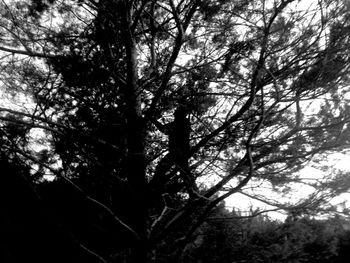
[[135, 138]]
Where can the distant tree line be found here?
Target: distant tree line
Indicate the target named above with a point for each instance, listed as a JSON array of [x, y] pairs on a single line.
[[227, 238]]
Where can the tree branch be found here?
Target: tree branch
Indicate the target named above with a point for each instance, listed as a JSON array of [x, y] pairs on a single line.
[[176, 50], [82, 192], [29, 53]]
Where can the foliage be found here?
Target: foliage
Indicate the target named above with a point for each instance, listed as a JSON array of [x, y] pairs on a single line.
[[225, 238], [140, 103]]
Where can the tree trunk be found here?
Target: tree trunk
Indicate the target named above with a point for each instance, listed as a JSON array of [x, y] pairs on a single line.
[[135, 139]]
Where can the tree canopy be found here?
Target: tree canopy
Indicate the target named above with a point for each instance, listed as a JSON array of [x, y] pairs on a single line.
[[149, 113]]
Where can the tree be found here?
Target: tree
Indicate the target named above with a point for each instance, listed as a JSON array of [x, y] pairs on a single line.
[[226, 237], [140, 102]]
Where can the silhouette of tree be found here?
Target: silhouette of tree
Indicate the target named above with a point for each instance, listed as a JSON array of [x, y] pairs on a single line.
[[143, 101]]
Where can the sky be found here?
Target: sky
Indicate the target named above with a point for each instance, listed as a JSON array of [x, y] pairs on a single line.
[[337, 160]]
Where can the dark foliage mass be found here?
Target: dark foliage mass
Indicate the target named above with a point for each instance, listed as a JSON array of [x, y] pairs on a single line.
[[124, 125], [226, 237]]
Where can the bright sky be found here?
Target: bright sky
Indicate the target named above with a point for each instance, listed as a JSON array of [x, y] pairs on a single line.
[[337, 160]]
